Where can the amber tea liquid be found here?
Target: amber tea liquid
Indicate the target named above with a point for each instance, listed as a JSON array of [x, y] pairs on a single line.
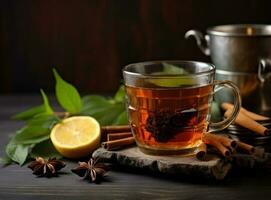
[[169, 120]]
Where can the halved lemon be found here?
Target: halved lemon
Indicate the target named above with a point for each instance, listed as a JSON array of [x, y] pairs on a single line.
[[76, 137]]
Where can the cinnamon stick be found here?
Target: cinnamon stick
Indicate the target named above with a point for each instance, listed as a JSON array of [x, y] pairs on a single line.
[[116, 128], [224, 140], [245, 147], [227, 141], [254, 116], [119, 143], [201, 151], [115, 136], [232, 150], [248, 123], [214, 141], [105, 130]]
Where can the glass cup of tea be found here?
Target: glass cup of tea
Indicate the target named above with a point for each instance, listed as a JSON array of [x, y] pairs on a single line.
[[169, 104]]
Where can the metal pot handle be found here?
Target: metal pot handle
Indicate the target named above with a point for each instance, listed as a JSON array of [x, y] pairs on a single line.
[[202, 41], [264, 69]]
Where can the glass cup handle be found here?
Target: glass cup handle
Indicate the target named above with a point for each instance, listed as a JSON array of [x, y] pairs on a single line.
[[218, 126]]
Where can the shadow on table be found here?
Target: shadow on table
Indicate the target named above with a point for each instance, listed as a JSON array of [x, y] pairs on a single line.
[[235, 177]]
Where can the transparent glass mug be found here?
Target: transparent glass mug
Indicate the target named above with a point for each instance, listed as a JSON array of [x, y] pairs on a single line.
[[169, 104]]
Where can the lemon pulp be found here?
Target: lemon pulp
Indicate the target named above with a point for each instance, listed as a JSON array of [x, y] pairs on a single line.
[[76, 137]]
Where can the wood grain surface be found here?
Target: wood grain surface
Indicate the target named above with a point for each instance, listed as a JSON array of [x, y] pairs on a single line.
[[18, 182], [89, 41]]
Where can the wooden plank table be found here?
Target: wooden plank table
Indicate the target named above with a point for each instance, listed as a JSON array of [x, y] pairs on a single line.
[[18, 182]]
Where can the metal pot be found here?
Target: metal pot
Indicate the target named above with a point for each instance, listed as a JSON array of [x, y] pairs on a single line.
[[242, 54]]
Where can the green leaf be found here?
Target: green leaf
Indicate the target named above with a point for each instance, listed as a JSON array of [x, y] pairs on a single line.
[[106, 111], [45, 108], [5, 161], [31, 135], [17, 152], [43, 120], [120, 94], [29, 113], [103, 110], [67, 95], [108, 115], [45, 149], [48, 109], [95, 103], [122, 119]]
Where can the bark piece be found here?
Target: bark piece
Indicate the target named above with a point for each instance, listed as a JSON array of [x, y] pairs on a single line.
[[214, 167]]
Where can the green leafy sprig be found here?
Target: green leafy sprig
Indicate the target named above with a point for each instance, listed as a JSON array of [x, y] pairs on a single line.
[[33, 139]]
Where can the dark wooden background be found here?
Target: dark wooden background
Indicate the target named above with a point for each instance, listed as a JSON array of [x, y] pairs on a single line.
[[89, 41]]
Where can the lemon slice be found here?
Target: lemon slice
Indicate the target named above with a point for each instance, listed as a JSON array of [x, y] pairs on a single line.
[[76, 137]]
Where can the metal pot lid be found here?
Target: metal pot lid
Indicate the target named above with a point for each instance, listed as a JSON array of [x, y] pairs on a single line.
[[241, 30]]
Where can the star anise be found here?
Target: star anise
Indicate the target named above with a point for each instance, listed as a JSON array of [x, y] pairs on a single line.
[[48, 168], [93, 170]]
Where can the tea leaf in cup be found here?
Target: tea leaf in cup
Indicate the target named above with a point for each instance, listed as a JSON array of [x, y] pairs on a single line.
[[168, 81], [173, 82], [173, 69]]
